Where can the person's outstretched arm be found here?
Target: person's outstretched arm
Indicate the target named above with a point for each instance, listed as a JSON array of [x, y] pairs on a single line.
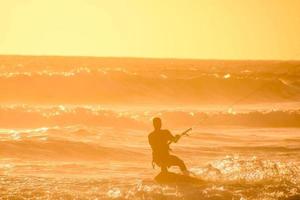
[[172, 138]]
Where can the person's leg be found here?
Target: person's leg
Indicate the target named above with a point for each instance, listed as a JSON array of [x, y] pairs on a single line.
[[164, 168], [175, 161], [162, 164]]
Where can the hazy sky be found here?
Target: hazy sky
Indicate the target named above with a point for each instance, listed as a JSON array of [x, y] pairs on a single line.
[[222, 29]]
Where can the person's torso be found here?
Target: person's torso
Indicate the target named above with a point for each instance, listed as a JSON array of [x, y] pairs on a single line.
[[159, 142]]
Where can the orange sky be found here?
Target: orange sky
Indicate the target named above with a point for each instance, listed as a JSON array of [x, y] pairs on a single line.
[[222, 29]]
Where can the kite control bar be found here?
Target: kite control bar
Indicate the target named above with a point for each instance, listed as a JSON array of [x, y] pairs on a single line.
[[182, 134]]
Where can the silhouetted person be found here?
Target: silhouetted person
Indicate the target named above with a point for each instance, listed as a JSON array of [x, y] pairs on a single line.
[[159, 141]]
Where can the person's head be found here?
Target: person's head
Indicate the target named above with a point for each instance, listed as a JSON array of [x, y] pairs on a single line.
[[157, 123]]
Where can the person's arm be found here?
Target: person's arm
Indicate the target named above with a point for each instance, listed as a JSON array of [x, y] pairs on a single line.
[[176, 138], [172, 138]]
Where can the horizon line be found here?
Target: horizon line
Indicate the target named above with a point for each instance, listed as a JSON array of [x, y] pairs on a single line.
[[148, 58]]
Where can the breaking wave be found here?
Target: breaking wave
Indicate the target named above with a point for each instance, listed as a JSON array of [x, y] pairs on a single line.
[[39, 116], [136, 81]]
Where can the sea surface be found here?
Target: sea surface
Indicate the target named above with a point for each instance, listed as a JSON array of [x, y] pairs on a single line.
[[76, 128]]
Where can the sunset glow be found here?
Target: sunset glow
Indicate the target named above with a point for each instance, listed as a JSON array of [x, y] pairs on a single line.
[[227, 29], [150, 99]]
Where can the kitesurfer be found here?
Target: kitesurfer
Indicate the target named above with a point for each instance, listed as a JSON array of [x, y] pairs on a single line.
[[159, 141]]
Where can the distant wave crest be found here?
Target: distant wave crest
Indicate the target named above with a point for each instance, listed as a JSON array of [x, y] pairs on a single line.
[[35, 116]]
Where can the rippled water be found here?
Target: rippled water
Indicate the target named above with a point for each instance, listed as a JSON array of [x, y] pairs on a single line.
[[77, 163], [231, 178], [76, 128]]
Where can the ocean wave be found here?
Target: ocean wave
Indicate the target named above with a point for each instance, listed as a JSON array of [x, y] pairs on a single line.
[[52, 149], [119, 87], [49, 116], [49, 80]]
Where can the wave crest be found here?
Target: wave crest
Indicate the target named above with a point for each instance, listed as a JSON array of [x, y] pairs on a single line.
[[35, 116]]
